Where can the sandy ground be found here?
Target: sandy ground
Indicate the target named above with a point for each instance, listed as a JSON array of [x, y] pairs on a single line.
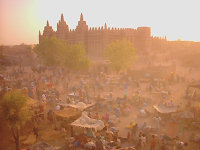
[[177, 90]]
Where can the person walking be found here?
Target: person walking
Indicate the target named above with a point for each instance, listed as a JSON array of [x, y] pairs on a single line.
[[153, 143], [143, 141], [99, 144], [35, 131], [128, 137]]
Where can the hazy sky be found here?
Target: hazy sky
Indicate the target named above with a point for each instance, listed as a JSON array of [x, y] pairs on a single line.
[[21, 20]]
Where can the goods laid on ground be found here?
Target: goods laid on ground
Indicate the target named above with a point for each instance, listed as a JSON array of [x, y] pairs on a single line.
[[67, 114], [42, 145]]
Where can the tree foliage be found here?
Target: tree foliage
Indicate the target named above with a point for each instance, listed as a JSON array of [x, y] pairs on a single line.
[[56, 52], [75, 59], [15, 110], [50, 51], [121, 54]]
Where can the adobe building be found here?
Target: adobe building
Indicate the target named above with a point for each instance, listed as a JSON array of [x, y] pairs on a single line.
[[97, 39]]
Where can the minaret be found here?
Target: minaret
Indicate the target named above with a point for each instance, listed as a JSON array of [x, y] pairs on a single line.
[[48, 30], [62, 28], [81, 17], [81, 31], [47, 23], [62, 17], [82, 26]]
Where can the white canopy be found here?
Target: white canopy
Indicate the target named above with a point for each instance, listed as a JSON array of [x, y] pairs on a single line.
[[86, 122], [72, 94], [80, 105], [165, 109]]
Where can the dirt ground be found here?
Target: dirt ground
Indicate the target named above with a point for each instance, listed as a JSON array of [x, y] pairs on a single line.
[[57, 137]]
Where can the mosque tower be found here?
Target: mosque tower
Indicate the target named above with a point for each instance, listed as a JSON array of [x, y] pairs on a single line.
[[62, 28]]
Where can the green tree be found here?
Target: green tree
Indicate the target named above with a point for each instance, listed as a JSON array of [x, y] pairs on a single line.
[[75, 58], [50, 51], [56, 52], [121, 54], [15, 111]]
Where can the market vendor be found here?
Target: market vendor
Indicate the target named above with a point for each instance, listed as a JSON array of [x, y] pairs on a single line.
[[44, 97], [99, 144], [107, 117], [117, 112], [108, 136], [134, 130], [58, 107], [170, 104], [157, 120], [90, 133]]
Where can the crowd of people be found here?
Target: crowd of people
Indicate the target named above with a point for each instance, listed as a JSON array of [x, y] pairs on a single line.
[[115, 97]]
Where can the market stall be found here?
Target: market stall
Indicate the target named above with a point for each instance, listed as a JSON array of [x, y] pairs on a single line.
[[42, 145], [66, 116], [85, 122], [163, 109], [79, 106], [193, 91]]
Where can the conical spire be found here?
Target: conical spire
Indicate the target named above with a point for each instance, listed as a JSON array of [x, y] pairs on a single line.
[[81, 17], [47, 23], [62, 17]]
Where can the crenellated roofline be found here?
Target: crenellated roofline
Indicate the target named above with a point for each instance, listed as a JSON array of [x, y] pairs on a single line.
[[62, 26]]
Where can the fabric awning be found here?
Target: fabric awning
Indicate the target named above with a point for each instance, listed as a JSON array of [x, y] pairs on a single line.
[[86, 122]]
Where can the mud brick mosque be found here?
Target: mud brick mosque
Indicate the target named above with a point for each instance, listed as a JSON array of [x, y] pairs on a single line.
[[96, 39]]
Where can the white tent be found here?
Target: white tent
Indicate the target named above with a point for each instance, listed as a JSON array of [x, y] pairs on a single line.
[[85, 122], [80, 105], [72, 94], [165, 109]]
